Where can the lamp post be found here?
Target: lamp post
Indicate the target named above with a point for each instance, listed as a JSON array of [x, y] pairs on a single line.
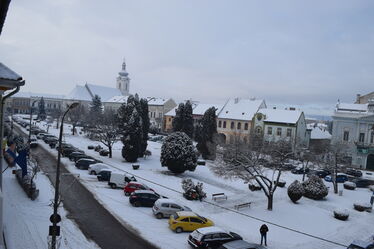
[[31, 106], [55, 218]]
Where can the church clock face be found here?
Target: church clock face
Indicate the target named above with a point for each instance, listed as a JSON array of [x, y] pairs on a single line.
[[259, 117]]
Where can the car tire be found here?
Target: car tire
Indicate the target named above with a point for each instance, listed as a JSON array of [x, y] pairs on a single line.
[[178, 230], [127, 193], [136, 204], [159, 216], [113, 186]]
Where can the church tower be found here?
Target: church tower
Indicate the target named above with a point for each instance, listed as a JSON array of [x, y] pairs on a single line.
[[123, 80]]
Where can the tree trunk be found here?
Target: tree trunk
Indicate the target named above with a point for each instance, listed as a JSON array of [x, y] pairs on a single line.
[[73, 129], [57, 123], [270, 202], [110, 151], [336, 182]]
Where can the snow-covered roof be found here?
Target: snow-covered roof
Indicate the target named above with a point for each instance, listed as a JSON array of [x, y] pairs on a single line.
[[348, 107], [104, 92], [79, 93], [7, 74], [319, 133], [212, 229], [281, 116], [37, 95], [118, 99], [197, 109], [241, 109], [156, 101]]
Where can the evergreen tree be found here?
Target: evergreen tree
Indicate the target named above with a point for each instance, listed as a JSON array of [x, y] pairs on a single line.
[[178, 153], [206, 132], [188, 127], [183, 120], [42, 114], [145, 125], [179, 118], [132, 138], [96, 110]]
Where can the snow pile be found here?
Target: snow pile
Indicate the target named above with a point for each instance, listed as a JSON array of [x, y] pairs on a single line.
[[341, 213], [314, 188], [362, 206]]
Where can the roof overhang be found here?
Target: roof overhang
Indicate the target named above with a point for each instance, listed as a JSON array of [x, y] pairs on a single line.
[[9, 79]]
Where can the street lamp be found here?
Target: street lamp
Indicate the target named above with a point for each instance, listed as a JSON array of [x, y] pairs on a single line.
[[31, 106], [55, 218]]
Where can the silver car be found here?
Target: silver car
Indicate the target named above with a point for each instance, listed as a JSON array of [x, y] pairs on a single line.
[[163, 208]]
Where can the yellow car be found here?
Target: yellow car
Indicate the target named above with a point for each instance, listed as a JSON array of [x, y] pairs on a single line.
[[185, 221]]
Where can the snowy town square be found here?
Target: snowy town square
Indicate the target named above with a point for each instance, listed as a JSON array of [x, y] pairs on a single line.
[[173, 124]]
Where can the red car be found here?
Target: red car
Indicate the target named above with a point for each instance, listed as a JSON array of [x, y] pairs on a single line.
[[132, 186]]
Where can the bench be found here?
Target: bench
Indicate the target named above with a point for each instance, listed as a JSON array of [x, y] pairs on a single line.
[[239, 206], [219, 196]]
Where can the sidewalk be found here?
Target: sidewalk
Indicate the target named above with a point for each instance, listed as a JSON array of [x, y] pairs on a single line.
[[26, 222]]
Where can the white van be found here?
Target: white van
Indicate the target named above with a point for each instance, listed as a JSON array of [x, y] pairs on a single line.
[[120, 179]]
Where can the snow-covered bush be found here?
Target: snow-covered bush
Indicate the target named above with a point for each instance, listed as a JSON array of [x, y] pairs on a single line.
[[341, 214], [178, 153], [362, 206], [187, 184], [295, 191], [314, 188], [349, 185], [192, 191]]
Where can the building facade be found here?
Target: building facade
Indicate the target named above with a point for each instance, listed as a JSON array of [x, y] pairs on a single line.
[[364, 99], [21, 102], [353, 125], [234, 122]]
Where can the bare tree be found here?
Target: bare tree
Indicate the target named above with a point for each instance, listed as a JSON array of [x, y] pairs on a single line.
[[306, 157], [56, 114], [76, 115], [247, 161], [336, 157], [106, 130]]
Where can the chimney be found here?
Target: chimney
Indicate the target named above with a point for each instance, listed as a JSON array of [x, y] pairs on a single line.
[[358, 98], [236, 100], [274, 107]]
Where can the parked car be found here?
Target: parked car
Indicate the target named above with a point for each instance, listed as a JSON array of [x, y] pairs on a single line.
[[241, 244], [143, 198], [322, 173], [186, 221], [211, 237], [67, 151], [75, 154], [95, 168], [98, 148], [33, 142], [84, 163], [133, 186], [354, 172], [300, 171], [51, 139], [120, 180], [339, 178], [163, 208], [359, 244], [81, 156], [363, 183], [104, 175], [40, 135], [47, 136]]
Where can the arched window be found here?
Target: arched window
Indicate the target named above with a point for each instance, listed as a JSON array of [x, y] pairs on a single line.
[[232, 125], [239, 125], [224, 124], [219, 124], [246, 126]]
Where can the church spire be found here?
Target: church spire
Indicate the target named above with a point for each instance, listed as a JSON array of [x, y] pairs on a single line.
[[124, 64], [123, 80]]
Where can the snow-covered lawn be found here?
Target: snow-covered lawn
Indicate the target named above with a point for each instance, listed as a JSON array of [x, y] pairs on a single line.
[[26, 222], [308, 216]]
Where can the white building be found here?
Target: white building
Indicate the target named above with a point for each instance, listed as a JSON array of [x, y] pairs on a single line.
[[277, 124], [353, 125], [123, 80]]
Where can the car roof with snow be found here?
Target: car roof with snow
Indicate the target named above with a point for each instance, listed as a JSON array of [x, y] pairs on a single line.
[[212, 229], [186, 213], [167, 200]]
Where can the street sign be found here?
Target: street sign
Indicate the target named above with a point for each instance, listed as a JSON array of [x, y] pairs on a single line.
[[54, 231], [55, 218]]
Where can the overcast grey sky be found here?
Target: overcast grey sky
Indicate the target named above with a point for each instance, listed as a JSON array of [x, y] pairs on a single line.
[[299, 52]]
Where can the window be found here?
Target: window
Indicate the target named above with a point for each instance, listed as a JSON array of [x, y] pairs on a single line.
[[279, 131], [216, 236], [224, 124], [361, 137], [160, 114], [270, 130], [184, 220], [372, 137], [175, 206], [258, 130], [239, 125], [225, 236], [196, 220], [246, 126], [169, 119], [346, 135], [232, 125], [166, 205], [289, 132], [219, 124]]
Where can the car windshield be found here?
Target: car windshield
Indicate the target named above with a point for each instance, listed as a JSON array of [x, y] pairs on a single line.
[[203, 218]]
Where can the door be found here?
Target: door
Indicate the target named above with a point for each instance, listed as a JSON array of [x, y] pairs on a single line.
[[174, 208], [370, 162]]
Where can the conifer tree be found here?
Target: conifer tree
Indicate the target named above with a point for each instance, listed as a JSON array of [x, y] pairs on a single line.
[[188, 126], [179, 118], [42, 114], [206, 132], [96, 110], [145, 125], [132, 138]]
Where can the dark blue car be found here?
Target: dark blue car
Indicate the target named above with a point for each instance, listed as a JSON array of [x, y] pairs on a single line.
[[339, 178]]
